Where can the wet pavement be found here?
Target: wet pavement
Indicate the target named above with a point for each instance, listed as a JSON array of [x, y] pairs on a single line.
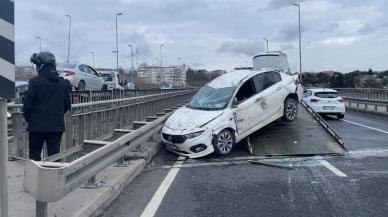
[[233, 186]]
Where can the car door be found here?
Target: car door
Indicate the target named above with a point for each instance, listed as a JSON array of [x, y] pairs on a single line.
[[84, 75], [247, 112], [97, 81], [272, 94]]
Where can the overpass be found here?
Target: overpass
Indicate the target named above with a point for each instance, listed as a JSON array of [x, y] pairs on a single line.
[[139, 184]]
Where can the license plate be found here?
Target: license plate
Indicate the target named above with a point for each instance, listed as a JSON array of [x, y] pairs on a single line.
[[172, 146], [328, 107]]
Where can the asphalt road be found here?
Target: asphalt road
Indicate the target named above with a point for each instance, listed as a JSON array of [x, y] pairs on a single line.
[[234, 186]]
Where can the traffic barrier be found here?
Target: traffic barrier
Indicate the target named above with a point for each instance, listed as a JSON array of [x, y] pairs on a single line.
[[379, 107]]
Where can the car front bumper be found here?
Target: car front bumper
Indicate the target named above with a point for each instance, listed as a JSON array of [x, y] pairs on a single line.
[[186, 148]]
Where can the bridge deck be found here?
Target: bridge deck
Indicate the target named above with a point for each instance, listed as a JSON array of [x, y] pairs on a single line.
[[305, 136]]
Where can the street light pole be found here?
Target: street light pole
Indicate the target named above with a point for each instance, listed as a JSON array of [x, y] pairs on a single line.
[[300, 43], [267, 43], [68, 45], [92, 52], [133, 68], [161, 61], [40, 43], [117, 44]]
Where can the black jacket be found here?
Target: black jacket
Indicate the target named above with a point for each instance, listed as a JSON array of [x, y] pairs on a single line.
[[46, 102]]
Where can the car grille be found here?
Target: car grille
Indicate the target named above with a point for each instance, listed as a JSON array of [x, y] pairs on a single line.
[[174, 138]]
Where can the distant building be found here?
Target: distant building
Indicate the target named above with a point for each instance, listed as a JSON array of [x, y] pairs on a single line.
[[24, 73], [174, 75]]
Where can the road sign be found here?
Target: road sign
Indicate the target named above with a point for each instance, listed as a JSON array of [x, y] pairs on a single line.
[[7, 49]]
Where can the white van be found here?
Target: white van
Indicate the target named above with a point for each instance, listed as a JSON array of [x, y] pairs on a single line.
[[111, 80]]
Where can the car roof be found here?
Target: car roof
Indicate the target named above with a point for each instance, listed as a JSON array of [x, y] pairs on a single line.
[[232, 78], [322, 90]]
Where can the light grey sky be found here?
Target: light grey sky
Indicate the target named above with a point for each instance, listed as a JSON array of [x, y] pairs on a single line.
[[342, 35]]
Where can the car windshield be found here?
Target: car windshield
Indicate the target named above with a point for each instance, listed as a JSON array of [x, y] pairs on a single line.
[[107, 77], [209, 98], [66, 65], [327, 94]]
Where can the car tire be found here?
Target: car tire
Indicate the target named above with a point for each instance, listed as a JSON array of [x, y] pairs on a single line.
[[290, 111], [340, 116], [81, 86], [223, 143]]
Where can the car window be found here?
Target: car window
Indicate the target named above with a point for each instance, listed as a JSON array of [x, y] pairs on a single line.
[[270, 79], [92, 71], [307, 93], [246, 91], [326, 94], [259, 82], [83, 68]]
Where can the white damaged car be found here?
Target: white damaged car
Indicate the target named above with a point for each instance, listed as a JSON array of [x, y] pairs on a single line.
[[230, 108]]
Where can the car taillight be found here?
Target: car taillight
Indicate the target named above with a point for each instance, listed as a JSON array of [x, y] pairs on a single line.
[[69, 73], [341, 100], [314, 100]]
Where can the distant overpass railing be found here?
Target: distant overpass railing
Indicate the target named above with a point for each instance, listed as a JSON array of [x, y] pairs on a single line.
[[374, 106], [364, 93], [92, 120]]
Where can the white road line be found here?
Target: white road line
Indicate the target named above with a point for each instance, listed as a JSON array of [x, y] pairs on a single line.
[[361, 125], [156, 200], [333, 169]]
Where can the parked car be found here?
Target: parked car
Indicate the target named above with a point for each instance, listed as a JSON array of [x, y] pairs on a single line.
[[131, 86], [81, 76], [229, 109], [166, 86], [111, 80], [325, 101]]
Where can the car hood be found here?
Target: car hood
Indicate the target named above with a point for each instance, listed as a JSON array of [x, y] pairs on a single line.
[[185, 119]]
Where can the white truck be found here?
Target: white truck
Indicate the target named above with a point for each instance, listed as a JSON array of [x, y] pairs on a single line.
[[111, 80]]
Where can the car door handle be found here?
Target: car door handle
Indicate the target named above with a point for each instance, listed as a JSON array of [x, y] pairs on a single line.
[[239, 120], [279, 88]]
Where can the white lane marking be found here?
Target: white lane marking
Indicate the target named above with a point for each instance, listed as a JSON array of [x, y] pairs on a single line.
[[362, 125], [156, 200], [333, 169]]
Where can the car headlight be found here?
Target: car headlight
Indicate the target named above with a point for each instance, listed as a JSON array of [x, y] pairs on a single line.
[[192, 135]]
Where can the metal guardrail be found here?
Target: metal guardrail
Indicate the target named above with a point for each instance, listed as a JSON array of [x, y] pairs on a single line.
[[368, 105], [85, 148], [364, 93], [100, 95], [87, 121]]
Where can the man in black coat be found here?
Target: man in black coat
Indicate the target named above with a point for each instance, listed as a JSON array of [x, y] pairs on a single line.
[[44, 106]]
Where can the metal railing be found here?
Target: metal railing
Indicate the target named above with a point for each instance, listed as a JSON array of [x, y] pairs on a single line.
[[367, 105], [364, 93], [100, 95], [92, 120]]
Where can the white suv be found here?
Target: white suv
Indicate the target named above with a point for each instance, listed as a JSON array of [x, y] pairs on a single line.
[[230, 108]]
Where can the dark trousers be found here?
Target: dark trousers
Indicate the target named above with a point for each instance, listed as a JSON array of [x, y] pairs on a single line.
[[36, 141]]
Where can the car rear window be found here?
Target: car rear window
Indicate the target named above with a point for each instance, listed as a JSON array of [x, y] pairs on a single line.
[[326, 94]]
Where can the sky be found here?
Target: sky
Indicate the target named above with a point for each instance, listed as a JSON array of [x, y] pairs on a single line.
[[342, 35]]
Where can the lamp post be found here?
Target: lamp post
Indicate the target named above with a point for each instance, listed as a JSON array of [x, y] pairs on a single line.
[[117, 43], [267, 43], [92, 52], [68, 45], [133, 68], [40, 42], [161, 61], [300, 43]]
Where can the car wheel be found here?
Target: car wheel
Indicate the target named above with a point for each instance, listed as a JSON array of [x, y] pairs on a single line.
[[81, 86], [223, 142], [340, 116], [290, 110]]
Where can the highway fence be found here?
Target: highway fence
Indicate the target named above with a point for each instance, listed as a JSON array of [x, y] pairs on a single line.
[[364, 93], [92, 120]]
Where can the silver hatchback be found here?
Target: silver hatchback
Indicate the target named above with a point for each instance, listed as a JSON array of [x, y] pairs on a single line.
[[81, 76]]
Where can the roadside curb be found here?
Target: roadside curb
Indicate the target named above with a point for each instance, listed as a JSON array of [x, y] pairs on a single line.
[[139, 161]]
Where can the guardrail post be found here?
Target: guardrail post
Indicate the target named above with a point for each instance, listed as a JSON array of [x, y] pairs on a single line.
[[41, 209], [92, 183], [3, 158], [16, 149]]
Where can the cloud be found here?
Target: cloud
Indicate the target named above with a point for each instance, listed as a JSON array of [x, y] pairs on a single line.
[[247, 48], [276, 4], [340, 40], [366, 29]]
